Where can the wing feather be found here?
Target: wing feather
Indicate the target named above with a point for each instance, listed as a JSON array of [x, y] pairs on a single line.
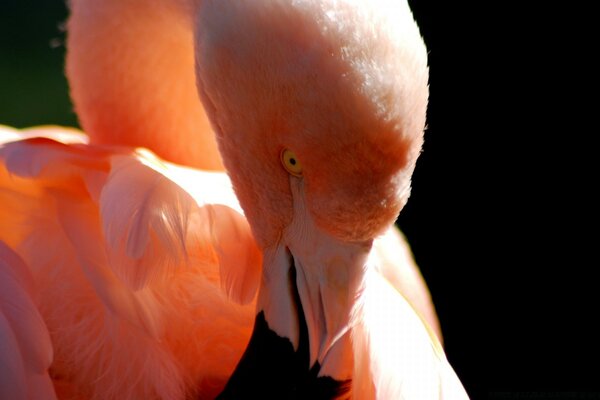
[[144, 220], [122, 246], [81, 224], [25, 346], [145, 206]]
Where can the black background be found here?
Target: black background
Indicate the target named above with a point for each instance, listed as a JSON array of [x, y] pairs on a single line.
[[499, 217]]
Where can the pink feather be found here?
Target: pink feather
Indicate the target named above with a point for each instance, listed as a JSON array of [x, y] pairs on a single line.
[[25, 346], [121, 252]]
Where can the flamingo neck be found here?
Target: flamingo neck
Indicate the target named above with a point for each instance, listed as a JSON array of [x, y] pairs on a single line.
[[131, 71]]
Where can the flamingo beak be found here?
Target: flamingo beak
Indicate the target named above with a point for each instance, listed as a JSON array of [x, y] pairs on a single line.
[[276, 363], [301, 344]]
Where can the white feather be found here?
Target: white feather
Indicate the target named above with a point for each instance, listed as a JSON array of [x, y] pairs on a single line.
[[401, 357]]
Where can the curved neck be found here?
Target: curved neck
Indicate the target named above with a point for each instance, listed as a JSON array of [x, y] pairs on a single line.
[[130, 65]]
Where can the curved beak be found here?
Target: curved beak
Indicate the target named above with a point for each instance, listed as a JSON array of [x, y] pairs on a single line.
[[301, 344]]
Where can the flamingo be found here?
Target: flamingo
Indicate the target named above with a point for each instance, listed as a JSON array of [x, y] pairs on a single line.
[[141, 275]]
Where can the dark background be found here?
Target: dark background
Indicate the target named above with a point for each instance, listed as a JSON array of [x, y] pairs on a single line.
[[498, 219]]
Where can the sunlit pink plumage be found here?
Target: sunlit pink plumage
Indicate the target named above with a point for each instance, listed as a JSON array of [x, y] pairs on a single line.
[[138, 278]]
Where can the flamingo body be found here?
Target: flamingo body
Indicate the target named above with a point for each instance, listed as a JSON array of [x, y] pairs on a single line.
[[51, 178], [126, 267], [144, 274]]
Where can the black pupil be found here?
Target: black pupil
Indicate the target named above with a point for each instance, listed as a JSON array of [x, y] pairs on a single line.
[[292, 161]]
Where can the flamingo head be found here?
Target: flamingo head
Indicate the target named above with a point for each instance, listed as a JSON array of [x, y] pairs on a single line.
[[319, 109], [342, 86]]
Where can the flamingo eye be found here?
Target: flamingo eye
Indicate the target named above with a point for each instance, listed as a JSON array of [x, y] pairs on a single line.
[[291, 163]]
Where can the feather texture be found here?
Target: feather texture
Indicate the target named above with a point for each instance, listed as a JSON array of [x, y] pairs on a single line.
[[81, 224], [240, 262], [398, 357], [128, 264], [395, 262], [25, 347], [13, 383], [145, 225]]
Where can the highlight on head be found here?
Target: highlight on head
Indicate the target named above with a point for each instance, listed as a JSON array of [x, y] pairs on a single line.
[[342, 84]]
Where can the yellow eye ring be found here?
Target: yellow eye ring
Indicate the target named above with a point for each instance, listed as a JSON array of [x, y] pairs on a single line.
[[291, 163]]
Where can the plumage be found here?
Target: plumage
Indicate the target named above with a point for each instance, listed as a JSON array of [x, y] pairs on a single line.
[[147, 335], [25, 347], [131, 75], [143, 278], [392, 337]]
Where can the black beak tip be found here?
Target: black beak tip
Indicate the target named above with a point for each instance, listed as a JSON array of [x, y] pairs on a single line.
[[271, 369]]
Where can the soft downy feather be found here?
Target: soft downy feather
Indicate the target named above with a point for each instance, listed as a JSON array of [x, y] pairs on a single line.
[[397, 355], [146, 225], [144, 332], [395, 261], [145, 206], [219, 215], [240, 263]]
